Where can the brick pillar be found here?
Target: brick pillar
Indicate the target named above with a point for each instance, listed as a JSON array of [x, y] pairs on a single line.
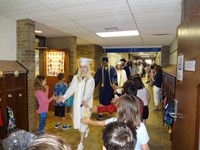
[[64, 43], [165, 56], [26, 56]]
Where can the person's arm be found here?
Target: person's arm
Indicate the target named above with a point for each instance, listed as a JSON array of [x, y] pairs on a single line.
[[42, 98], [70, 91], [148, 96], [92, 122], [124, 76], [113, 74], [97, 77], [89, 90], [142, 134], [145, 146]]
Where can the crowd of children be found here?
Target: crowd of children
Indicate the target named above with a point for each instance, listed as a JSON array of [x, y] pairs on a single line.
[[130, 105]]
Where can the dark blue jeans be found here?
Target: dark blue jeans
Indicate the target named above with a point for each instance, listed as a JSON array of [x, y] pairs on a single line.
[[43, 117]]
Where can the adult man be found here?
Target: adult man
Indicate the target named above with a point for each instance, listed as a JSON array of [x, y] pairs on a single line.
[[106, 77]]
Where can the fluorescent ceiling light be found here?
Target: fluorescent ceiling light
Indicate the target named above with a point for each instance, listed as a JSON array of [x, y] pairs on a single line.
[[118, 33], [37, 31]]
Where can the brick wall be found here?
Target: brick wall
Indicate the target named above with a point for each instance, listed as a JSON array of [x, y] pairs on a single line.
[[26, 56], [64, 43]]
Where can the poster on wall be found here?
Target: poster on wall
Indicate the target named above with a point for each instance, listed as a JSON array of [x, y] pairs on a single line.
[[180, 68], [55, 63]]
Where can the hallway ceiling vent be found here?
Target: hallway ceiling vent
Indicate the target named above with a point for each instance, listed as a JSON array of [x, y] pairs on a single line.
[[111, 29]]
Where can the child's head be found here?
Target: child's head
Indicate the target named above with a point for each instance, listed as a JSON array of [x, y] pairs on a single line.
[[138, 82], [128, 110], [61, 76], [40, 82], [119, 136], [49, 142], [70, 77], [130, 88]]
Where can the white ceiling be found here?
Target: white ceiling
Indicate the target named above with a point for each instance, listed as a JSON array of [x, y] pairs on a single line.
[[83, 18]]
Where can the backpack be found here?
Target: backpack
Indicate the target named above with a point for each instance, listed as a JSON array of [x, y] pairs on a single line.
[[168, 109]]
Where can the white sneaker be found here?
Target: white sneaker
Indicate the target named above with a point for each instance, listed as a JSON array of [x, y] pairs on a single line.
[[86, 133], [80, 146]]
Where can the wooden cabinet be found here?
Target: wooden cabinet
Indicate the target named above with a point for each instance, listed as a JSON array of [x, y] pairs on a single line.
[[13, 93]]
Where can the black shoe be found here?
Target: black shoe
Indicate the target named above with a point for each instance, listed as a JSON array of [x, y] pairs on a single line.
[[100, 117]]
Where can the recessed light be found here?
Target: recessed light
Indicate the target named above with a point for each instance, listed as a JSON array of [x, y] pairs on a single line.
[[118, 33], [37, 31]]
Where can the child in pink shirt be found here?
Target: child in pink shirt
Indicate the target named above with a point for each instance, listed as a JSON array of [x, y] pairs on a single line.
[[42, 92]]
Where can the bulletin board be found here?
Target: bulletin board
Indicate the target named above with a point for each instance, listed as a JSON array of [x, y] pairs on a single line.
[[55, 63]]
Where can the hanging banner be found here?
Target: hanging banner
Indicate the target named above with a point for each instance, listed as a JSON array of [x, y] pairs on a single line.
[[55, 63], [129, 50]]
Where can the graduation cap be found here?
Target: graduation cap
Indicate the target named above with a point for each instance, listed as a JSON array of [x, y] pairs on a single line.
[[85, 61], [119, 62], [124, 60], [104, 59]]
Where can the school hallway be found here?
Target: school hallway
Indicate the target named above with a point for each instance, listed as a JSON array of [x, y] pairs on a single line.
[[159, 137]]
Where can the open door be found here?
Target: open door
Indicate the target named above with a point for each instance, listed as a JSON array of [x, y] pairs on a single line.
[[186, 126], [55, 61]]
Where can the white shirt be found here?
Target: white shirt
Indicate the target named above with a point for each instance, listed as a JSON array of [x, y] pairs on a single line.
[[143, 94], [142, 134]]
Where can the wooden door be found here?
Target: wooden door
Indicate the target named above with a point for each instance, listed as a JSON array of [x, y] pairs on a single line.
[[186, 129], [52, 80]]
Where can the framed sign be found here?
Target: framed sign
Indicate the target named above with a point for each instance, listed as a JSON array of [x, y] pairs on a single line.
[[190, 65], [55, 63], [180, 68]]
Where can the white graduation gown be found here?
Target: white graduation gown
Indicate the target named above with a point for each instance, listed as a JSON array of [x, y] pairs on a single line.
[[81, 92], [121, 79]]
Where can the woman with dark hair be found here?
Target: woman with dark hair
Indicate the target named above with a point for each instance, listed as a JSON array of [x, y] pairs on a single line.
[[157, 83], [143, 94]]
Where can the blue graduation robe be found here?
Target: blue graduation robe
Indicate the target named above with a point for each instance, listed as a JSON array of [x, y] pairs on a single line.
[[105, 88]]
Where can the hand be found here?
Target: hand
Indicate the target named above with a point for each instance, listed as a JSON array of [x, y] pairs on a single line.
[[53, 97], [114, 87], [93, 109], [114, 100], [85, 104], [85, 120], [59, 99]]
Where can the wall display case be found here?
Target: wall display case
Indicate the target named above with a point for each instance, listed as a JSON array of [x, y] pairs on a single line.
[[13, 93]]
